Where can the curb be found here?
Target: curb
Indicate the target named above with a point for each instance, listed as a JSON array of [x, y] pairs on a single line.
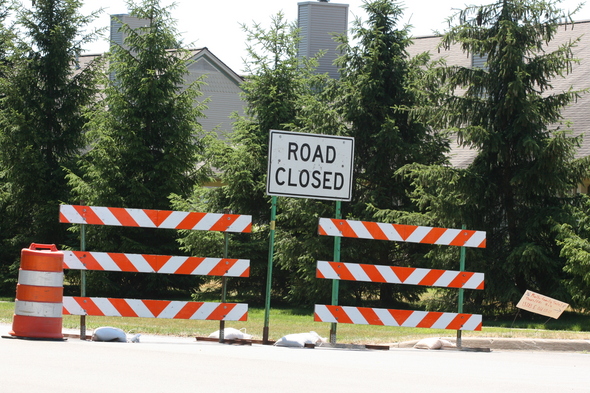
[[513, 344]]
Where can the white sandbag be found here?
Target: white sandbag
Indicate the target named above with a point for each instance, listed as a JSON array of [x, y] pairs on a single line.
[[428, 343], [107, 333], [232, 334], [300, 339], [447, 344], [434, 343]]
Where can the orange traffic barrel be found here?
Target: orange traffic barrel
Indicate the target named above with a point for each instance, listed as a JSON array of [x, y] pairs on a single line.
[[39, 293]]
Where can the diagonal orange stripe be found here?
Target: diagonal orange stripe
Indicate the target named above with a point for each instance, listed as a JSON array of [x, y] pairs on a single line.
[[156, 261], [318, 273], [221, 311], [370, 316], [374, 274], [222, 267], [404, 230], [458, 321], [433, 235], [190, 220], [246, 272], [123, 216], [88, 260], [400, 316], [342, 271], [339, 314], [62, 218], [188, 310], [89, 306], [156, 306], [431, 277], [89, 215], [122, 262], [224, 222], [375, 230], [153, 215], [123, 307], [430, 319], [461, 238], [460, 280], [345, 228], [403, 272], [189, 265]]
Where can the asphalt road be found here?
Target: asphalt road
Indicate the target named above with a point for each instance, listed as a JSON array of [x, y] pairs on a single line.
[[162, 364]]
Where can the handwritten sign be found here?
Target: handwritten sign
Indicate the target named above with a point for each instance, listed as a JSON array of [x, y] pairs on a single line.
[[540, 304]]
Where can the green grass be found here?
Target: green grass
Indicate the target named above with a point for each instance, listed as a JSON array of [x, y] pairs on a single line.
[[286, 321]]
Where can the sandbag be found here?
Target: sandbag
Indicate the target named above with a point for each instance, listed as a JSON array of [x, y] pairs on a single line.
[[232, 334], [433, 343], [108, 333], [300, 339]]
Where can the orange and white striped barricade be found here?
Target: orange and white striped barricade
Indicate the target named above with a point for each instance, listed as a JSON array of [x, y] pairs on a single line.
[[399, 318], [162, 219], [402, 233], [164, 309], [39, 292], [399, 275], [163, 264]]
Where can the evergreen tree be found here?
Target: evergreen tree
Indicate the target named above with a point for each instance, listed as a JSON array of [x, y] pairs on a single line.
[[41, 119], [368, 102], [573, 238], [276, 80], [144, 142], [521, 180]]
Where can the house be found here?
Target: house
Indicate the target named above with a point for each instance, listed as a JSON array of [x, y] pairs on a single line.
[[578, 113], [222, 84]]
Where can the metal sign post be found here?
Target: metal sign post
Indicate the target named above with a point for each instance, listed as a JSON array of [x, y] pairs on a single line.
[[336, 283], [460, 308], [82, 281], [224, 286], [315, 166], [273, 214]]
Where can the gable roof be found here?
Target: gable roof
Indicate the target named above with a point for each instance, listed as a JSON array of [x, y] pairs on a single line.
[[578, 112]]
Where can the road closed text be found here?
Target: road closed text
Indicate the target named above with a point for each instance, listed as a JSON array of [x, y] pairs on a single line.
[[304, 178], [310, 166]]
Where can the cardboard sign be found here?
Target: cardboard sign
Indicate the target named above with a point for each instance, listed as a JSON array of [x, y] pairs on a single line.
[[540, 304]]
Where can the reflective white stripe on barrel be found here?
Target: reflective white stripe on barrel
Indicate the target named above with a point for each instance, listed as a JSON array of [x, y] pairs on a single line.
[[43, 279], [38, 309]]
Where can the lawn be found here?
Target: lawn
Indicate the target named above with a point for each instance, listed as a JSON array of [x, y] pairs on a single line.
[[286, 321]]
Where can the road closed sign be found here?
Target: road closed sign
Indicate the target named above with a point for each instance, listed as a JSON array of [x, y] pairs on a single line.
[[310, 166]]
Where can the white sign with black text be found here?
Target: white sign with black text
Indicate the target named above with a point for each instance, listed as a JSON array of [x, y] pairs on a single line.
[[310, 166]]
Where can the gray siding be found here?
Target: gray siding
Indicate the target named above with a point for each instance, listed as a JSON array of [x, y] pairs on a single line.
[[222, 86], [318, 23], [478, 61], [117, 21], [223, 93]]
